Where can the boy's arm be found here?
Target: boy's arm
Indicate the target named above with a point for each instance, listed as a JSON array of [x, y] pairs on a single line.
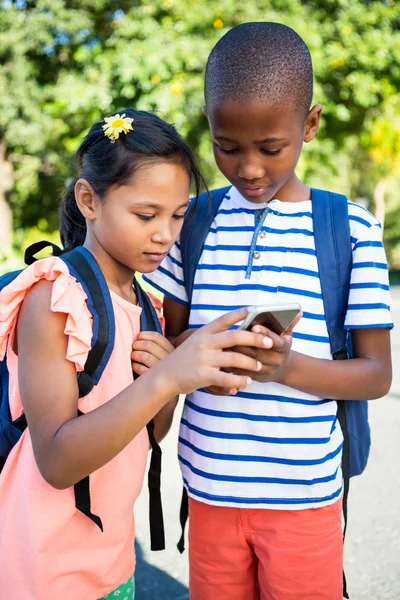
[[368, 375], [176, 321]]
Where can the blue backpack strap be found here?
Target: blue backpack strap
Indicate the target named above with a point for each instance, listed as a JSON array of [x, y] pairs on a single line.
[[195, 230], [83, 266], [334, 256], [149, 321], [193, 236], [10, 431]]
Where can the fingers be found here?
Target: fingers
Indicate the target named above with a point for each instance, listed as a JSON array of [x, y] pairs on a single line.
[[239, 337], [234, 360], [151, 348], [226, 321], [144, 358], [231, 381], [220, 391], [157, 338], [278, 342], [138, 368]]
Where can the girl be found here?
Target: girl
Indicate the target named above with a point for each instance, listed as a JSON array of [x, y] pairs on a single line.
[[126, 207]]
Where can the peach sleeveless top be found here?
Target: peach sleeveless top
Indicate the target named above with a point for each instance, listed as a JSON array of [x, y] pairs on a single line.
[[48, 549]]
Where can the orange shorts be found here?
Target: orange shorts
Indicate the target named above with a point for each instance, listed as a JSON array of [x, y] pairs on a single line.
[[258, 554]]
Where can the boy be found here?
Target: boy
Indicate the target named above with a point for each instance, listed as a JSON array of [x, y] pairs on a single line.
[[263, 466]]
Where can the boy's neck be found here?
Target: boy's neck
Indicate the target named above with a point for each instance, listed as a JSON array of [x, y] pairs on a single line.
[[294, 190]]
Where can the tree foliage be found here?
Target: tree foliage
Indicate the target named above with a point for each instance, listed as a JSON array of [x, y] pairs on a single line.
[[64, 64]]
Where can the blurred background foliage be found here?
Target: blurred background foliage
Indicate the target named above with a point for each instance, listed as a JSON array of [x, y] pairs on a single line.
[[65, 64]]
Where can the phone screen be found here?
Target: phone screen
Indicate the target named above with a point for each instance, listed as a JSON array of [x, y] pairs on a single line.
[[277, 321]]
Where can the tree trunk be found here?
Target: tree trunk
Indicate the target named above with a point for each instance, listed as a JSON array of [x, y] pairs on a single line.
[[6, 183], [379, 201]]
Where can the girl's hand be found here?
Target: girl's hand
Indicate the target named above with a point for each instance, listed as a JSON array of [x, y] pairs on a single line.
[[273, 358], [198, 362], [148, 349]]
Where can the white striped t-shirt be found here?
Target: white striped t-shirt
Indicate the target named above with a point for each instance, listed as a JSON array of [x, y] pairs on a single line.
[[271, 446]]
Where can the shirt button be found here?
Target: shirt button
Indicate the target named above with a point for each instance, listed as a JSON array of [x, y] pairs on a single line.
[[257, 255], [262, 234]]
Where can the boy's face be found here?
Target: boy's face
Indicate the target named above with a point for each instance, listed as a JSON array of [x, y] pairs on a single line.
[[257, 147]]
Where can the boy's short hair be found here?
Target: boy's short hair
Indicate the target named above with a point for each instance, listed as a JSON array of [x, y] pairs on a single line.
[[267, 61]]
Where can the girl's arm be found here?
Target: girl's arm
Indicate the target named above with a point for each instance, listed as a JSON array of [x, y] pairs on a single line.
[[147, 350], [67, 448]]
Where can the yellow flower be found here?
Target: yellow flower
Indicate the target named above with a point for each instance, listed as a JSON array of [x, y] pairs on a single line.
[[117, 124], [218, 24], [176, 88], [155, 79]]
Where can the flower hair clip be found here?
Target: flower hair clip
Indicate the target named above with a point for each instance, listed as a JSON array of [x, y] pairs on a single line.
[[117, 124]]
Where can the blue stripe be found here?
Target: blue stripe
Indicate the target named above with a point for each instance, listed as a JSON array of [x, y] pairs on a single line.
[[371, 326], [285, 269], [260, 247], [253, 438], [220, 307], [274, 398], [244, 500], [362, 286], [234, 288], [248, 211], [311, 338], [175, 261], [243, 229], [307, 293], [368, 265], [166, 292], [368, 244], [262, 459], [171, 276], [360, 220], [250, 287], [263, 418], [239, 479], [377, 305], [360, 207], [313, 316]]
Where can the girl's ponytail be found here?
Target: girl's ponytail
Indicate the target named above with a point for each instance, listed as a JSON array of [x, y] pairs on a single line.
[[72, 222]]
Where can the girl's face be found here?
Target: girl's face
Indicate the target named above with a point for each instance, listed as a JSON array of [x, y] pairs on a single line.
[[137, 223]]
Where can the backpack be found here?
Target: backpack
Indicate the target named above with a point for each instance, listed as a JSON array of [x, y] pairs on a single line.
[[83, 266], [334, 257]]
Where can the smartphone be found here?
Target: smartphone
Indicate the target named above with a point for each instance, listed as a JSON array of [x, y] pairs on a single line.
[[278, 317]]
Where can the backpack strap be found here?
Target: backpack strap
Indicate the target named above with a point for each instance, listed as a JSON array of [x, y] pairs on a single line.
[[83, 266], [194, 232], [149, 321], [193, 236], [334, 256]]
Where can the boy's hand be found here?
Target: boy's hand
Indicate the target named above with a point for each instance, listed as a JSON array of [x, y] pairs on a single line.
[[272, 359], [148, 349]]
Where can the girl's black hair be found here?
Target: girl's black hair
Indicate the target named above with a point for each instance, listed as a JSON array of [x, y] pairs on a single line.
[[105, 164]]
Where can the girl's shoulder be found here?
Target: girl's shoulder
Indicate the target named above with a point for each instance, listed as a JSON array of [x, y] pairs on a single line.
[[48, 286]]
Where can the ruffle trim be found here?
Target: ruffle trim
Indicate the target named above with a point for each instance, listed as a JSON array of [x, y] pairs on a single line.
[[68, 297]]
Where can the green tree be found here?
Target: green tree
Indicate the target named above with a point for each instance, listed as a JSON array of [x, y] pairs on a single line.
[[67, 63]]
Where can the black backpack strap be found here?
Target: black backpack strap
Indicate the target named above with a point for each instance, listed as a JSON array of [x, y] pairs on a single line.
[[149, 321], [33, 249], [183, 517]]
